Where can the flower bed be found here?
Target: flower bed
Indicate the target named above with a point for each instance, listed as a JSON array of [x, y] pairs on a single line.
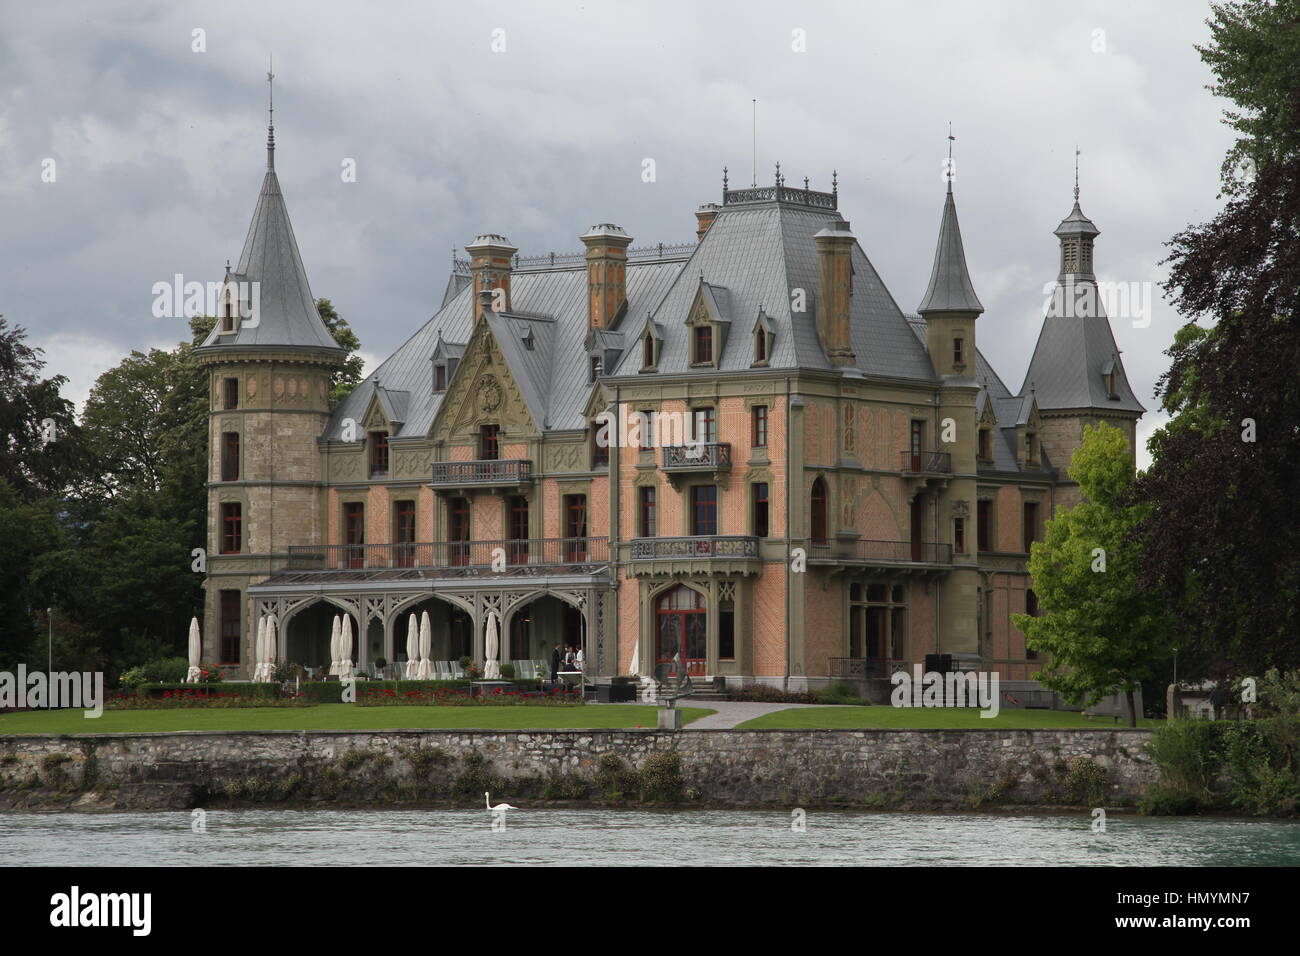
[[202, 697], [447, 697], [169, 690], [331, 692]]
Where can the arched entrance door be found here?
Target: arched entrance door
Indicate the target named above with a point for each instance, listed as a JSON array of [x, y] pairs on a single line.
[[681, 629]]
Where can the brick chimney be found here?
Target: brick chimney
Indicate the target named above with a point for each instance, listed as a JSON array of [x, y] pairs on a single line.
[[606, 274], [835, 298], [490, 264], [704, 217]]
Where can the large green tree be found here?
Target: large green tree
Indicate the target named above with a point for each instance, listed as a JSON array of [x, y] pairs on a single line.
[[1220, 538], [345, 379], [39, 437], [1104, 631]]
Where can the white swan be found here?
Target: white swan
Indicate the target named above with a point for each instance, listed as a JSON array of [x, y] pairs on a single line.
[[500, 806]]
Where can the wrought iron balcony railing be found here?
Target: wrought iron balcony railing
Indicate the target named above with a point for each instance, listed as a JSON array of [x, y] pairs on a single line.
[[505, 471], [926, 462], [503, 555], [704, 456], [712, 546], [882, 552]]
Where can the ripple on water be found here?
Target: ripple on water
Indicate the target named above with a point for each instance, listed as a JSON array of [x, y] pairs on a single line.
[[637, 838]]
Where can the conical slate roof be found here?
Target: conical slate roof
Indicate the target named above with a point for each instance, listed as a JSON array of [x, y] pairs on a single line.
[[287, 315], [950, 288], [1077, 224]]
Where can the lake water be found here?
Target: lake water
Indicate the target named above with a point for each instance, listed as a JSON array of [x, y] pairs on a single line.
[[636, 837]]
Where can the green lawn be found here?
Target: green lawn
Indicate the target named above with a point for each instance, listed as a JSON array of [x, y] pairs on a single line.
[[339, 717], [925, 718]]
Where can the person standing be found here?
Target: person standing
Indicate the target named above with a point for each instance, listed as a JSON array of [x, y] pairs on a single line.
[[555, 664], [579, 660]]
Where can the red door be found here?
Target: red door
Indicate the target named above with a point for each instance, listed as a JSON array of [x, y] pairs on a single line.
[[918, 526]]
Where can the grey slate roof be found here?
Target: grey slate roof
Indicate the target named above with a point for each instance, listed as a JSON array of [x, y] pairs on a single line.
[[950, 288], [287, 313], [1076, 223], [1067, 369], [759, 253], [553, 376]]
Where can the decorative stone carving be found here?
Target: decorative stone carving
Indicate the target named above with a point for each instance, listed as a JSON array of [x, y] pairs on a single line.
[[489, 395], [961, 509]]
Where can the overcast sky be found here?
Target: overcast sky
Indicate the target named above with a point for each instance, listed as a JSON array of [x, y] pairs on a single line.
[[159, 150]]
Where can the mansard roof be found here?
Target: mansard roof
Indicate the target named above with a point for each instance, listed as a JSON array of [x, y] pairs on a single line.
[[763, 254]]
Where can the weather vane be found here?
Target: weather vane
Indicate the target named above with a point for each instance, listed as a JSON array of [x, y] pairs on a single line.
[[1076, 172]]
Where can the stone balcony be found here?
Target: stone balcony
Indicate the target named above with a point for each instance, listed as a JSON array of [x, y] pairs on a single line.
[[704, 554], [700, 457], [914, 556], [484, 473]]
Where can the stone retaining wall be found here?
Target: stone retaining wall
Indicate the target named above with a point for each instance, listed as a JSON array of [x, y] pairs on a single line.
[[867, 768]]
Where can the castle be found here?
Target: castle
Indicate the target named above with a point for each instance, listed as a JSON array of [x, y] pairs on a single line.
[[836, 488]]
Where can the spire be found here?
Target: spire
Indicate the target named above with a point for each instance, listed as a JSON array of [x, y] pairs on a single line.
[[950, 288], [279, 310], [270, 126], [948, 173]]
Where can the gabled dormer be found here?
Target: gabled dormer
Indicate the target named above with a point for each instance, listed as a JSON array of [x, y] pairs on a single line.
[[385, 414], [604, 349], [1029, 450], [651, 343], [987, 425], [708, 322], [446, 356], [1110, 378], [764, 332]]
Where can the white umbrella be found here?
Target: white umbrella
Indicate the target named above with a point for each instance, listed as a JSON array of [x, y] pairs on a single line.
[[336, 631], [634, 665], [196, 652], [345, 648], [424, 670], [259, 648], [492, 667], [412, 646], [271, 629]]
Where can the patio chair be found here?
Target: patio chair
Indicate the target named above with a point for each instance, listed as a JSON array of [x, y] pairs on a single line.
[[457, 672]]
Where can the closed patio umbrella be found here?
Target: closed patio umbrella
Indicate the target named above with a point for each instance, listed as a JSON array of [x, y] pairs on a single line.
[[269, 665], [336, 631], [196, 652], [412, 646], [492, 667], [424, 669], [634, 665], [345, 648], [259, 649]]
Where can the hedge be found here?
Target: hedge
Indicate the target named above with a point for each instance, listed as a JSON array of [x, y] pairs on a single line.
[[219, 687]]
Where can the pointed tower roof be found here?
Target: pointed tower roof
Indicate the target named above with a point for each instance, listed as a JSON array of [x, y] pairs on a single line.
[[950, 288], [1076, 223], [286, 313]]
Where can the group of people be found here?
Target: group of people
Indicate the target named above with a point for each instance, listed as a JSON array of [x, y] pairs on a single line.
[[566, 658]]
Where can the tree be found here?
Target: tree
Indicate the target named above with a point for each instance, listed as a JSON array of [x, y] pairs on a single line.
[[39, 437], [1103, 630], [1221, 541], [345, 379]]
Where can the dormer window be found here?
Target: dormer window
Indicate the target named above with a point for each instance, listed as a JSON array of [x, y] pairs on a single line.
[[702, 345], [648, 352], [764, 335], [1031, 448], [986, 444], [378, 454], [227, 315], [958, 352], [1110, 375], [440, 377]]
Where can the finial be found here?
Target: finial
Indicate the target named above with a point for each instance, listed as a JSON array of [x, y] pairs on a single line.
[[835, 183], [227, 267], [778, 172], [270, 127], [1076, 172], [951, 140], [805, 184], [724, 184]]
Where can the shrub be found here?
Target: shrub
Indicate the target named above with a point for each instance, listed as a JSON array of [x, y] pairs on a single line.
[[1086, 781], [615, 779], [840, 693], [661, 778], [1185, 753], [507, 671], [157, 690], [761, 693]]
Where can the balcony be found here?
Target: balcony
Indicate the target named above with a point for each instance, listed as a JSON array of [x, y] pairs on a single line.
[[712, 457], [884, 554], [925, 463], [526, 556], [704, 554], [863, 668], [485, 473]]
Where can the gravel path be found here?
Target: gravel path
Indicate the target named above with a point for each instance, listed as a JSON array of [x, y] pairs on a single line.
[[730, 713]]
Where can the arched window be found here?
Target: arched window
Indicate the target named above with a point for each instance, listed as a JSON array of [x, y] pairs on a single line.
[[680, 632], [819, 511]]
